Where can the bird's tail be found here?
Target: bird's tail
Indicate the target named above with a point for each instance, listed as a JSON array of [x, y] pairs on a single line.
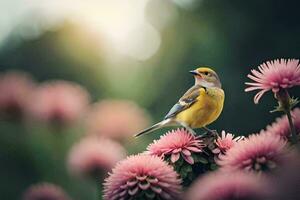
[[164, 123]]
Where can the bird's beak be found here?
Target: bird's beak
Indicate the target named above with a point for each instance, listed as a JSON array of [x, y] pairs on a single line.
[[194, 72]]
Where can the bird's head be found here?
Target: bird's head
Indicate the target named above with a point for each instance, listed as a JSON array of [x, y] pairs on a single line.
[[206, 77]]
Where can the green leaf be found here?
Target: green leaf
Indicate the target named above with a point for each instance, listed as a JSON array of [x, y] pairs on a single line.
[[201, 160], [213, 166], [191, 176], [277, 109], [177, 167], [293, 102], [180, 161], [185, 169]]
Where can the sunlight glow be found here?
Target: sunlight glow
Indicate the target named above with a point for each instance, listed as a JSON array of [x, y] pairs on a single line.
[[122, 23]]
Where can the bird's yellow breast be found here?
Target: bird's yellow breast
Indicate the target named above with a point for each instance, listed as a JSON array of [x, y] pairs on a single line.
[[205, 110]]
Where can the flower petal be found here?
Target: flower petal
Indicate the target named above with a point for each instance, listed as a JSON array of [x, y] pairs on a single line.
[[175, 157]]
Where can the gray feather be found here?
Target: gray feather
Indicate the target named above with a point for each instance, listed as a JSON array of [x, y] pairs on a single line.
[[164, 123]]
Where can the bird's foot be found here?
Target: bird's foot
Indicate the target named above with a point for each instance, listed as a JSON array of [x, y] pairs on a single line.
[[212, 132]]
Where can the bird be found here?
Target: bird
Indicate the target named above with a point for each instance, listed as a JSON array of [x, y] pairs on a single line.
[[201, 105]]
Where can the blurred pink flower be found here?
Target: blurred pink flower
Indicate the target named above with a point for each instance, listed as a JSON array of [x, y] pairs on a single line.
[[93, 155], [258, 152], [228, 186], [225, 142], [45, 191], [15, 89], [286, 182], [59, 101], [281, 125], [274, 75], [117, 119], [142, 177], [176, 143]]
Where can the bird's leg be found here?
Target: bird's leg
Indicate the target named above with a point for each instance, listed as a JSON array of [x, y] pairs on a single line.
[[191, 131], [213, 132], [188, 128]]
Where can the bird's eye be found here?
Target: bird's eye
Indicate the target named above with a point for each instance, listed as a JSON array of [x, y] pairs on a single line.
[[206, 73]]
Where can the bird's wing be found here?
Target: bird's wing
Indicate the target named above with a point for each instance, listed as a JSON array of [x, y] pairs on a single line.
[[188, 99]]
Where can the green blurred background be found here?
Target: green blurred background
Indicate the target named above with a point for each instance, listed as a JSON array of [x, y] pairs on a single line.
[[139, 50]]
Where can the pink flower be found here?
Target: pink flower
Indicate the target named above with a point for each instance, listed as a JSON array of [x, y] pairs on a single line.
[[176, 143], [286, 181], [117, 119], [142, 177], [59, 101], [274, 75], [281, 125], [258, 152], [93, 155], [44, 191], [228, 186], [15, 89], [225, 142]]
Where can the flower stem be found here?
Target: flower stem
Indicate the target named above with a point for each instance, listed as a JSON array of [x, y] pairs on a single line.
[[99, 190], [99, 179], [286, 104], [292, 127]]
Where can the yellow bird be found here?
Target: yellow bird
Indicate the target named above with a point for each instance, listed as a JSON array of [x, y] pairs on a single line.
[[199, 106]]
